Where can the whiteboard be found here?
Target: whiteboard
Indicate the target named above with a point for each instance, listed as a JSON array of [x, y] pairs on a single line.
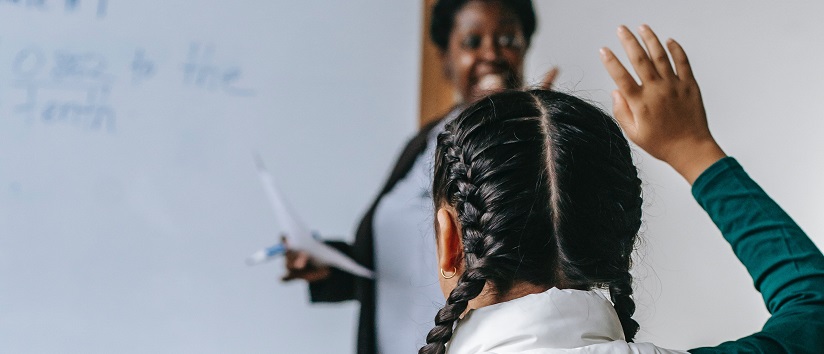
[[128, 194], [129, 200]]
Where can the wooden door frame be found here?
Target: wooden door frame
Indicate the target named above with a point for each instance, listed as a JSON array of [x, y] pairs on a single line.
[[436, 96]]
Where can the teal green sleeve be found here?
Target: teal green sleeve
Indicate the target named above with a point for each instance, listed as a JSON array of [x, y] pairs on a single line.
[[785, 265]]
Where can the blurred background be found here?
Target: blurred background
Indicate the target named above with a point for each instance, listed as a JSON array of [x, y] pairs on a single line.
[[129, 197]]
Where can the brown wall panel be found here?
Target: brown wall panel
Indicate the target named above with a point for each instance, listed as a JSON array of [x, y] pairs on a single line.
[[436, 93]]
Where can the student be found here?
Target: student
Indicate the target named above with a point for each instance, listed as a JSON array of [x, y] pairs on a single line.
[[538, 206]]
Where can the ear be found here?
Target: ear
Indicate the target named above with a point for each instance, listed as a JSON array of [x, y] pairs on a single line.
[[450, 244]]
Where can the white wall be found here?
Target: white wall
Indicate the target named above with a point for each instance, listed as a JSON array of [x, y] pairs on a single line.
[[132, 239], [129, 236], [759, 67]]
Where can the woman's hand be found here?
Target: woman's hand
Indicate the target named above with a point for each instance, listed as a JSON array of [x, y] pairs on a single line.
[[299, 265], [664, 115], [549, 78]]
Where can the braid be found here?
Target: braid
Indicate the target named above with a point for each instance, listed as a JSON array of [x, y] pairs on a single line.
[[620, 293], [470, 180], [469, 286], [596, 199], [472, 282], [545, 192], [620, 290]]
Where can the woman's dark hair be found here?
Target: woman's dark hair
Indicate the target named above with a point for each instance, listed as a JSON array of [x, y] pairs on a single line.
[[545, 192], [443, 17]]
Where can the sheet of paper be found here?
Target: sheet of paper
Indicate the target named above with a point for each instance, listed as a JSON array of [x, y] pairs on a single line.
[[298, 235]]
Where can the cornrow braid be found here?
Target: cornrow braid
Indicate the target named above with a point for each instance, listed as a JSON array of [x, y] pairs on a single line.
[[489, 204], [466, 288], [596, 196], [545, 191], [620, 292], [469, 286]]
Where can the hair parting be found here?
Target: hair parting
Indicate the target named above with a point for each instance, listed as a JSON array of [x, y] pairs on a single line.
[[546, 193]]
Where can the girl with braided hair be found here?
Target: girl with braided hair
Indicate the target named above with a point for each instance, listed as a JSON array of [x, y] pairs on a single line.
[[482, 44], [538, 206]]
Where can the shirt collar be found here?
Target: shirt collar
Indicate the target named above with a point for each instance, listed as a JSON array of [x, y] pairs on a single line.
[[561, 319]]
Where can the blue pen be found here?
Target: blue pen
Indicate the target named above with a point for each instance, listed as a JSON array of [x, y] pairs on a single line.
[[266, 254]]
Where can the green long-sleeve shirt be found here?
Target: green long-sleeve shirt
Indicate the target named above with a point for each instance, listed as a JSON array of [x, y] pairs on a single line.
[[784, 263]]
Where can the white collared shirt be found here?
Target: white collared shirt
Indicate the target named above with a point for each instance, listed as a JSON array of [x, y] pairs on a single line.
[[552, 322]]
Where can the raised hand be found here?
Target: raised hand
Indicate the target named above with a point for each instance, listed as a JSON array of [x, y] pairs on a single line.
[[664, 114]]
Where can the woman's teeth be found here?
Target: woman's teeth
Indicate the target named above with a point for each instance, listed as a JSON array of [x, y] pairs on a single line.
[[491, 82]]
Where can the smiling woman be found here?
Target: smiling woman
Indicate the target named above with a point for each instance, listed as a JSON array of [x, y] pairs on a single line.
[[484, 51]]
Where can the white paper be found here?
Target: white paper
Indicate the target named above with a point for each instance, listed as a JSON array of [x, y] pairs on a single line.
[[298, 236]]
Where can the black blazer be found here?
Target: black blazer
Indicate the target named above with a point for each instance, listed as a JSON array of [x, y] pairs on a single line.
[[342, 286]]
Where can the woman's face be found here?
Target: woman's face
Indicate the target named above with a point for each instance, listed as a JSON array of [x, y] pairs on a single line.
[[486, 50]]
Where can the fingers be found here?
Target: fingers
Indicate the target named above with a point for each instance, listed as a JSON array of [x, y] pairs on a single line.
[[311, 273], [679, 57], [297, 266], [549, 78], [637, 56], [618, 72], [305, 274], [296, 261], [622, 113], [650, 64], [656, 52]]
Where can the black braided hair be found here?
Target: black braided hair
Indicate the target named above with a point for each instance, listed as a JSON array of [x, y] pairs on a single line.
[[598, 196], [546, 193]]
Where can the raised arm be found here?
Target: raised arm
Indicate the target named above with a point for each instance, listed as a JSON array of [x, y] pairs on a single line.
[[665, 116]]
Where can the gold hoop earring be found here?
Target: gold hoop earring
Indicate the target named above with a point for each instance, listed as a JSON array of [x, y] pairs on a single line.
[[454, 272]]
